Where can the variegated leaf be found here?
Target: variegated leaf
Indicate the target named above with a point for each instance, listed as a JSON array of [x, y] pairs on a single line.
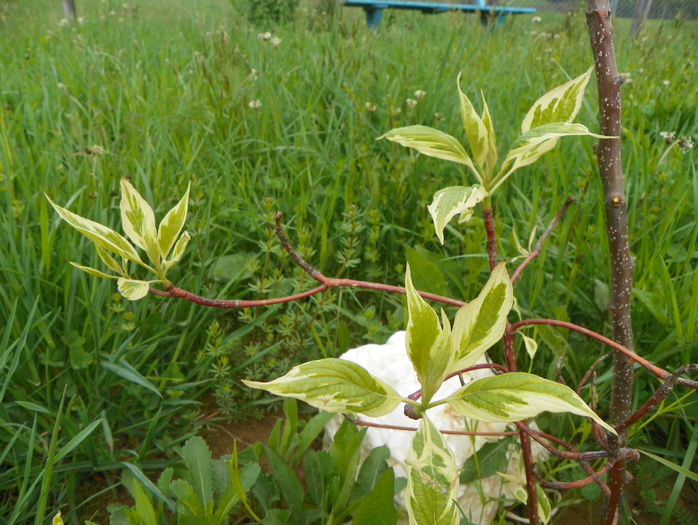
[[431, 142], [172, 224], [94, 272], [530, 344], [481, 323], [132, 289], [334, 385], [536, 142], [480, 135], [427, 341], [560, 104], [138, 221], [432, 479], [492, 140], [516, 396], [103, 237], [178, 251], [453, 201], [110, 262]]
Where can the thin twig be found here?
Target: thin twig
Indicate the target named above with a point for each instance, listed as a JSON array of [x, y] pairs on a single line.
[[588, 373], [658, 372], [363, 423], [659, 396], [594, 477], [325, 282], [541, 240]]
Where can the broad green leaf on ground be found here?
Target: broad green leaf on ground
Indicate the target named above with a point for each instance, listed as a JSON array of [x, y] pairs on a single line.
[[138, 221], [479, 132], [516, 396], [197, 458], [481, 323], [452, 201], [334, 385], [132, 289], [432, 479], [493, 457], [103, 237], [560, 104], [427, 341], [431, 142], [535, 143], [172, 224]]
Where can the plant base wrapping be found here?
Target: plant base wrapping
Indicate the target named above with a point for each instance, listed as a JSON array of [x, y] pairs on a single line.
[[389, 363]]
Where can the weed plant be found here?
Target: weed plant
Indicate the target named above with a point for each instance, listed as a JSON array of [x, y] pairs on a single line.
[[166, 92]]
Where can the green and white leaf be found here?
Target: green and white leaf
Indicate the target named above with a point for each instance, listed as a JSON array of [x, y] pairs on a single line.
[[103, 237], [432, 479], [133, 289], [481, 323], [452, 201], [178, 251], [536, 142], [172, 224], [516, 396], [427, 341], [560, 104], [433, 143], [94, 272], [334, 385], [138, 221], [479, 131], [530, 344], [111, 263]]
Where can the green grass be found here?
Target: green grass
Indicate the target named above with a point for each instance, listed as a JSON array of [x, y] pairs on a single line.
[[165, 92]]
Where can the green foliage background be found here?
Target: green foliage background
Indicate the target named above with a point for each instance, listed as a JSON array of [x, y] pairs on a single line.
[[160, 92]]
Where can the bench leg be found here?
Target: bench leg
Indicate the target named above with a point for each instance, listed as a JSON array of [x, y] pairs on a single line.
[[373, 16]]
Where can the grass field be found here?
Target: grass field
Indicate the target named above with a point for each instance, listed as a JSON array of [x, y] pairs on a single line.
[[163, 92]]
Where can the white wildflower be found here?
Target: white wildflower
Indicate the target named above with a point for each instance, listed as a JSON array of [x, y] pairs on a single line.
[[686, 144], [536, 19], [439, 117], [370, 107], [411, 103], [264, 36], [255, 104], [419, 94], [275, 41], [395, 111], [64, 22], [668, 136], [665, 83]]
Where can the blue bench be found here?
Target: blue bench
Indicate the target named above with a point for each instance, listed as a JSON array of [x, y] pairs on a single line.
[[374, 9]]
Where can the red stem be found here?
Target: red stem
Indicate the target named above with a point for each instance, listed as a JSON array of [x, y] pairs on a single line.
[[362, 423], [488, 217], [594, 477], [660, 373], [541, 240]]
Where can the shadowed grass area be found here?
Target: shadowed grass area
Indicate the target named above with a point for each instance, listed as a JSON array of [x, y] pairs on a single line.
[[163, 93]]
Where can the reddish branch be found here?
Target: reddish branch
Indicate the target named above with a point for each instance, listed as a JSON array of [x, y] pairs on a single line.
[[541, 240], [325, 284], [659, 396], [488, 217], [594, 477], [659, 372], [362, 423]]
